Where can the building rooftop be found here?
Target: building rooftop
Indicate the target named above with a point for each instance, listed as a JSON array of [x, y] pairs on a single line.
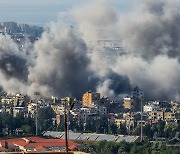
[[93, 136], [36, 144]]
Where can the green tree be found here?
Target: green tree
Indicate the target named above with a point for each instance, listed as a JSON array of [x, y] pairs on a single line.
[[113, 128], [27, 129], [160, 127], [122, 129], [45, 116], [170, 130], [101, 125], [7, 121], [136, 131]]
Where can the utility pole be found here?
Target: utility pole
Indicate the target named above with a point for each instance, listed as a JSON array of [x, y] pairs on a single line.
[[65, 124], [36, 119], [141, 119], [36, 94], [70, 103]]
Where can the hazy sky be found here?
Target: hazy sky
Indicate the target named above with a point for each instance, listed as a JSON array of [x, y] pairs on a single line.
[[40, 12]]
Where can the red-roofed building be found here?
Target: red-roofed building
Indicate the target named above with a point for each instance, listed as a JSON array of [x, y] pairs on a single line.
[[3, 149], [35, 144]]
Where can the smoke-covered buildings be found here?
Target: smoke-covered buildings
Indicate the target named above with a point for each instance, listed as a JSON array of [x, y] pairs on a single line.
[[133, 102], [13, 28], [21, 34]]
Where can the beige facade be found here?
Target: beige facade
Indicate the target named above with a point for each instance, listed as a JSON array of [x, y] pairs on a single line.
[[127, 103], [130, 121], [156, 115], [119, 122], [89, 97], [168, 116]]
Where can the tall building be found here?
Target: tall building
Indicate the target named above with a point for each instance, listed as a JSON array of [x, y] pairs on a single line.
[[127, 103], [137, 96], [137, 93], [89, 98]]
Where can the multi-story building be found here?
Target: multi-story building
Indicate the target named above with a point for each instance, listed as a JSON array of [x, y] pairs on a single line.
[[130, 121], [58, 109], [16, 100], [89, 98], [119, 122], [102, 110], [35, 145], [59, 119], [164, 105], [156, 115], [17, 110], [169, 116], [137, 96], [137, 93], [150, 107], [175, 106], [128, 103]]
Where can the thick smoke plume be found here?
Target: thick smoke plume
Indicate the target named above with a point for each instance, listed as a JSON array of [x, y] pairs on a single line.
[[150, 36], [62, 63], [66, 62], [13, 66]]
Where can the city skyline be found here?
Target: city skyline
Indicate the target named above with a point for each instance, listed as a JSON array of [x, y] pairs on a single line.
[[103, 73], [39, 12], [107, 51]]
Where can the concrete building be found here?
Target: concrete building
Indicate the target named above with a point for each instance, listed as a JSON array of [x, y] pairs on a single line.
[[35, 145], [17, 110], [169, 116], [137, 96], [175, 106], [156, 115], [150, 107], [137, 93], [164, 105], [93, 137], [89, 98], [58, 109], [14, 100], [128, 103], [59, 119], [130, 121], [119, 122], [102, 110]]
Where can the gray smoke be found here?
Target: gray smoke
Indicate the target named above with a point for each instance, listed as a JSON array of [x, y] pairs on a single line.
[[13, 66], [96, 20], [12, 63], [150, 36], [153, 29], [154, 34], [66, 62], [59, 66], [62, 63], [114, 85]]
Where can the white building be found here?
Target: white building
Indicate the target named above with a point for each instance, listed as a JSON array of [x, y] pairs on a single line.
[[150, 107]]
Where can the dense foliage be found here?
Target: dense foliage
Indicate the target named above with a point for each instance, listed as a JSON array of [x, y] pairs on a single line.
[[24, 124], [126, 148]]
